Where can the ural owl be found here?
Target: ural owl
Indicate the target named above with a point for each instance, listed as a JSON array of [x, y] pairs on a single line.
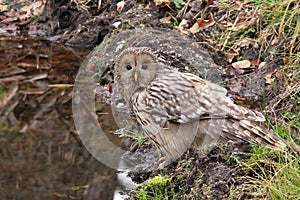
[[177, 110]]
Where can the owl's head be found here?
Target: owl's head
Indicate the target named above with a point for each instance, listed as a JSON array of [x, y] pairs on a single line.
[[136, 64], [135, 68]]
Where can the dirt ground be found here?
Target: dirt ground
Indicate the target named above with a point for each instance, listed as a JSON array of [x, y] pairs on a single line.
[[85, 24]]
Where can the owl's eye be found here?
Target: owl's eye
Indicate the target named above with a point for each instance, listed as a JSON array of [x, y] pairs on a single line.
[[128, 67], [144, 66]]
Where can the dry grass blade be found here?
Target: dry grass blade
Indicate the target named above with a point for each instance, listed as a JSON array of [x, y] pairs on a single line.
[[61, 85]]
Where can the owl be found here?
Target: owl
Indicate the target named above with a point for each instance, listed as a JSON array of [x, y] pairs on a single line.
[[180, 110]]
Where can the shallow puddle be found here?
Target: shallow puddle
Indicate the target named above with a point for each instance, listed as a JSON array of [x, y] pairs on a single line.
[[41, 153]]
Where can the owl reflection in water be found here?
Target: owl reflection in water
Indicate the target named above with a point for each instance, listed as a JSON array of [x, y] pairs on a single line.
[[179, 110]]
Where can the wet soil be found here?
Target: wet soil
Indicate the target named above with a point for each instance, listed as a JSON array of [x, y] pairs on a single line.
[[199, 176]]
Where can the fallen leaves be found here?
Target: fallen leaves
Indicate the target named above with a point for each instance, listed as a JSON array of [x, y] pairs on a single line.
[[3, 8], [201, 24], [198, 26], [31, 10], [255, 62], [243, 64], [268, 77], [261, 65], [245, 42], [120, 6], [165, 20], [20, 16], [163, 2]]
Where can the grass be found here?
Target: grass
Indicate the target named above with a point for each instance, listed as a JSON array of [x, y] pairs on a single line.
[[276, 174], [139, 138], [273, 174], [269, 23], [280, 23]]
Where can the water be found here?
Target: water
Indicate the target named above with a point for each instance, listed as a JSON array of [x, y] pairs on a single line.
[[41, 153]]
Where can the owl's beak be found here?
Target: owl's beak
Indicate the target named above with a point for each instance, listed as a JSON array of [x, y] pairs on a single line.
[[135, 76]]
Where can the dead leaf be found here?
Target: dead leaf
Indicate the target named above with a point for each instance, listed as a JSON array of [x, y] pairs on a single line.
[[205, 23], [195, 28], [261, 65], [9, 20], [184, 23], [286, 60], [12, 71], [11, 28], [151, 6], [255, 62], [12, 78], [231, 70], [165, 20], [31, 10], [117, 24], [243, 64], [230, 56], [201, 24], [11, 13], [182, 27], [269, 78], [245, 24], [239, 71], [32, 91], [181, 30], [3, 8], [209, 2], [163, 2], [245, 42], [120, 6]]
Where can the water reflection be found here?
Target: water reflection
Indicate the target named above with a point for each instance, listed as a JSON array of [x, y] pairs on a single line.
[[41, 154]]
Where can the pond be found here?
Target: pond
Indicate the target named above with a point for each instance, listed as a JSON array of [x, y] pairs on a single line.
[[41, 153]]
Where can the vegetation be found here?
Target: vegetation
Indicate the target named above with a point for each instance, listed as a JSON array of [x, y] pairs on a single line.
[[154, 188], [136, 137], [273, 27], [276, 174], [268, 22]]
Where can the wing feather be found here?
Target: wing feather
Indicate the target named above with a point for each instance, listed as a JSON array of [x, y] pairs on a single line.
[[183, 97]]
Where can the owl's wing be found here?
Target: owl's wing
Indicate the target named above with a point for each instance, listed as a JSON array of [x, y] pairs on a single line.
[[183, 97]]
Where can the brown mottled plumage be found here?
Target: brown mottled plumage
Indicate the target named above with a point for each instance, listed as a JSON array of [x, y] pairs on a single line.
[[177, 110]]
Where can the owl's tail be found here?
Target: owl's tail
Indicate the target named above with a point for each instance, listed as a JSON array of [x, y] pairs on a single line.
[[251, 131], [248, 125]]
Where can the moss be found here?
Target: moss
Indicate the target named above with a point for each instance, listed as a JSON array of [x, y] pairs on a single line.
[[154, 188]]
